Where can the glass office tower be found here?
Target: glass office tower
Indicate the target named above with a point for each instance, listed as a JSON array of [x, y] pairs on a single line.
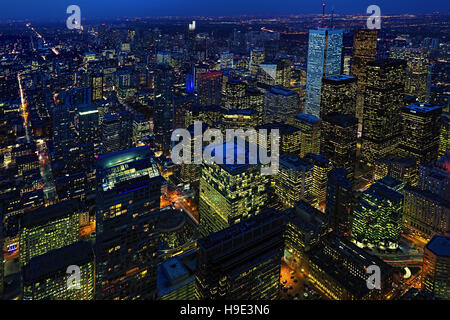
[[324, 59]]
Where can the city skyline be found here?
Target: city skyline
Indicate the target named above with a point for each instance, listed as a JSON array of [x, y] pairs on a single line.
[[101, 9]]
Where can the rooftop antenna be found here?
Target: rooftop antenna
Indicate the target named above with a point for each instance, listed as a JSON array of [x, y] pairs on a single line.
[[332, 18], [323, 15]]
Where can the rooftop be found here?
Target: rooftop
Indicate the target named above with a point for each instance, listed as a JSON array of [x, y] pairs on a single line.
[[439, 245]]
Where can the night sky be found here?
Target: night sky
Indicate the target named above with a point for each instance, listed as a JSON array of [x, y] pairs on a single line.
[[93, 9]]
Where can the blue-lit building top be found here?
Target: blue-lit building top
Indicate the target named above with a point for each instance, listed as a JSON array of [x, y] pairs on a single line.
[[324, 60]]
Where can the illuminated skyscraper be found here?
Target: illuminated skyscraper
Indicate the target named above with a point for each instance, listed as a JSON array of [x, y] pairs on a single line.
[[417, 70], [210, 88], [339, 136], [377, 219], [426, 207], [320, 177], [230, 193], [281, 105], [382, 109], [46, 277], [128, 197], [444, 143], [310, 133], [163, 114], [49, 228], [226, 60], [338, 96], [364, 51], [436, 267], [235, 95], [242, 261], [257, 57], [421, 130], [324, 60], [294, 180]]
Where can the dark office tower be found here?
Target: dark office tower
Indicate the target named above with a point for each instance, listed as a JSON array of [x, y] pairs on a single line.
[[339, 136], [96, 85], [340, 270], [77, 96], [436, 267], [242, 262], [63, 134], [234, 95], [163, 110], [128, 196], [210, 88], [338, 96], [383, 102], [88, 124], [280, 105], [46, 277], [49, 228], [421, 130], [377, 219], [230, 192], [117, 131], [324, 60], [340, 201], [111, 133], [364, 51]]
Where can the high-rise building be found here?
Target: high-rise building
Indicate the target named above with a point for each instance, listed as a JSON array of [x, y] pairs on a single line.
[[294, 180], [47, 276], [377, 219], [310, 133], [257, 57], [444, 143], [320, 177], [226, 60], [364, 51], [280, 105], [230, 192], [339, 139], [210, 88], [421, 130], [88, 124], [49, 228], [128, 197], [163, 108], [324, 60], [305, 226], [96, 85], [340, 201], [426, 207], [401, 169], [338, 95], [235, 95], [436, 267], [242, 261], [117, 131], [417, 71], [382, 109], [340, 270]]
